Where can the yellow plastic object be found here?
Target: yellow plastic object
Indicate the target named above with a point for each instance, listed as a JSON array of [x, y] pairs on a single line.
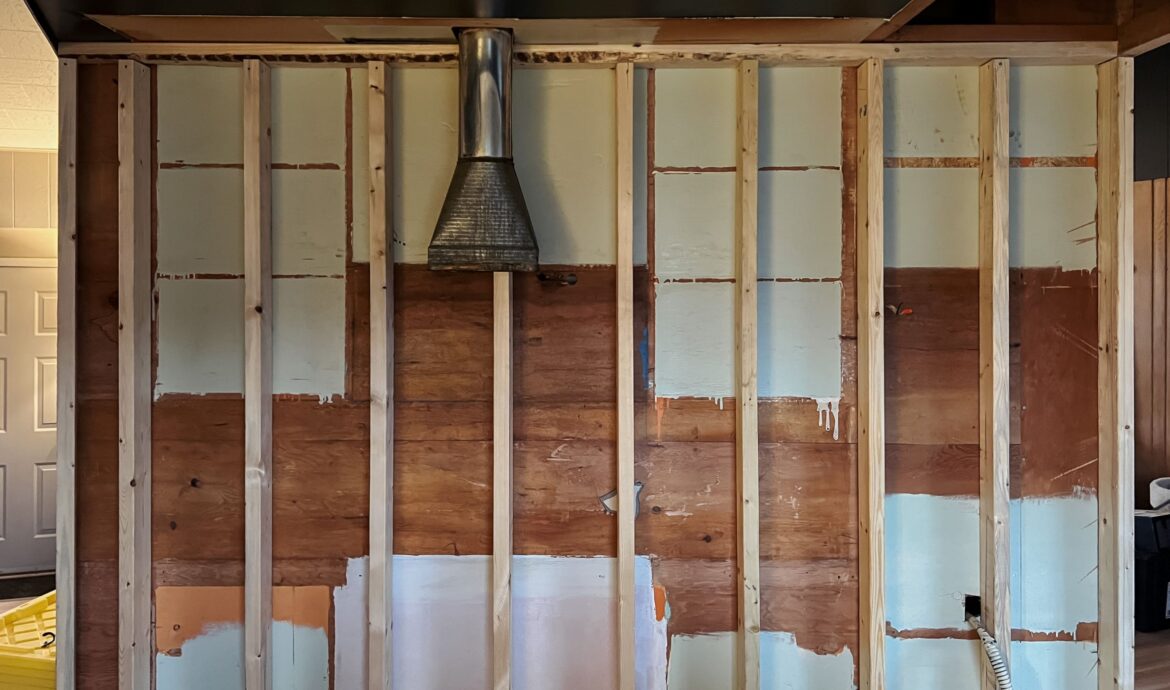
[[28, 657]]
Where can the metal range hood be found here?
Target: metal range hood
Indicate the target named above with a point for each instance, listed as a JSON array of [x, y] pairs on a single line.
[[484, 224]]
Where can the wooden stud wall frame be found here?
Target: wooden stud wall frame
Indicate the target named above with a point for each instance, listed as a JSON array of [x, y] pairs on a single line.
[[1115, 259]]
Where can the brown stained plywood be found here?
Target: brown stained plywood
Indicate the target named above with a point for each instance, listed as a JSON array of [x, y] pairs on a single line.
[[1058, 335], [782, 420], [814, 600]]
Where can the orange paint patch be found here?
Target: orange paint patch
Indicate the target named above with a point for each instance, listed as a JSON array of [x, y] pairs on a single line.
[[184, 613], [659, 602]]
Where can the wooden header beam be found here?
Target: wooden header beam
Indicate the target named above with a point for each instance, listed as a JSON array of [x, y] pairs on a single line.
[[844, 54], [135, 594], [1115, 376], [871, 366]]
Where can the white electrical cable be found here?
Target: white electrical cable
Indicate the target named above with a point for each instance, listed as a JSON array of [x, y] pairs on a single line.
[[1003, 677]]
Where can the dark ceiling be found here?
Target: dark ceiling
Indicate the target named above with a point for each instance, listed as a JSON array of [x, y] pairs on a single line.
[[68, 20]]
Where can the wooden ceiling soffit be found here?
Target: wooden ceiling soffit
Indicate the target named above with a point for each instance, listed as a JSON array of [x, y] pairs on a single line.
[[1148, 28], [912, 9], [156, 28], [1005, 33]]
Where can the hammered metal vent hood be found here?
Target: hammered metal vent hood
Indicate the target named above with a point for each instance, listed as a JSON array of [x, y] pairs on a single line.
[[484, 224]]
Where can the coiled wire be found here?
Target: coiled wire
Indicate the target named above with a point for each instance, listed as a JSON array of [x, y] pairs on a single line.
[[999, 667]]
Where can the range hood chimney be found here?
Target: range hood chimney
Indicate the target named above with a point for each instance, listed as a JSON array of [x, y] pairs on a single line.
[[484, 224]]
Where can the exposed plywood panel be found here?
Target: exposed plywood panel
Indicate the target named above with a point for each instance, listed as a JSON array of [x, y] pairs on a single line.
[[426, 129], [308, 115], [800, 113], [308, 327], [693, 340], [200, 220], [800, 221], [564, 145], [931, 111], [694, 225], [200, 110], [1053, 111], [933, 216], [1053, 214], [308, 222], [694, 117], [804, 361], [200, 340]]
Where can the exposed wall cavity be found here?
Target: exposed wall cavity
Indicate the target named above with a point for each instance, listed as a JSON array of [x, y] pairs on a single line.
[[564, 143], [932, 215], [703, 662], [563, 613], [200, 229], [799, 229]]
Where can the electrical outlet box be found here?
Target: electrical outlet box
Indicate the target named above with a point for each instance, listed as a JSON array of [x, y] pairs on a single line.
[[973, 605]]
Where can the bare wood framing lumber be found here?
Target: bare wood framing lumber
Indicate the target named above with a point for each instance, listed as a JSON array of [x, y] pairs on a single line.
[[381, 647], [502, 481], [66, 639], [911, 10], [871, 404], [994, 404], [134, 396], [843, 54], [257, 377], [1144, 31], [747, 436], [1115, 382], [624, 99]]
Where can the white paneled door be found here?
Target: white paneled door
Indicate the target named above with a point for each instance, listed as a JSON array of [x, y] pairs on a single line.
[[28, 418]]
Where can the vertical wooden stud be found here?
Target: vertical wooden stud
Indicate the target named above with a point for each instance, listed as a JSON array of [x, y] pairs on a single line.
[[502, 481], [134, 396], [624, 100], [871, 404], [381, 589], [257, 377], [66, 640], [994, 404], [1115, 382], [747, 437]]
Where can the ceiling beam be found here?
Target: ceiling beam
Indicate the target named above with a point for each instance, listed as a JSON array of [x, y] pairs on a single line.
[[900, 19], [1147, 29]]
